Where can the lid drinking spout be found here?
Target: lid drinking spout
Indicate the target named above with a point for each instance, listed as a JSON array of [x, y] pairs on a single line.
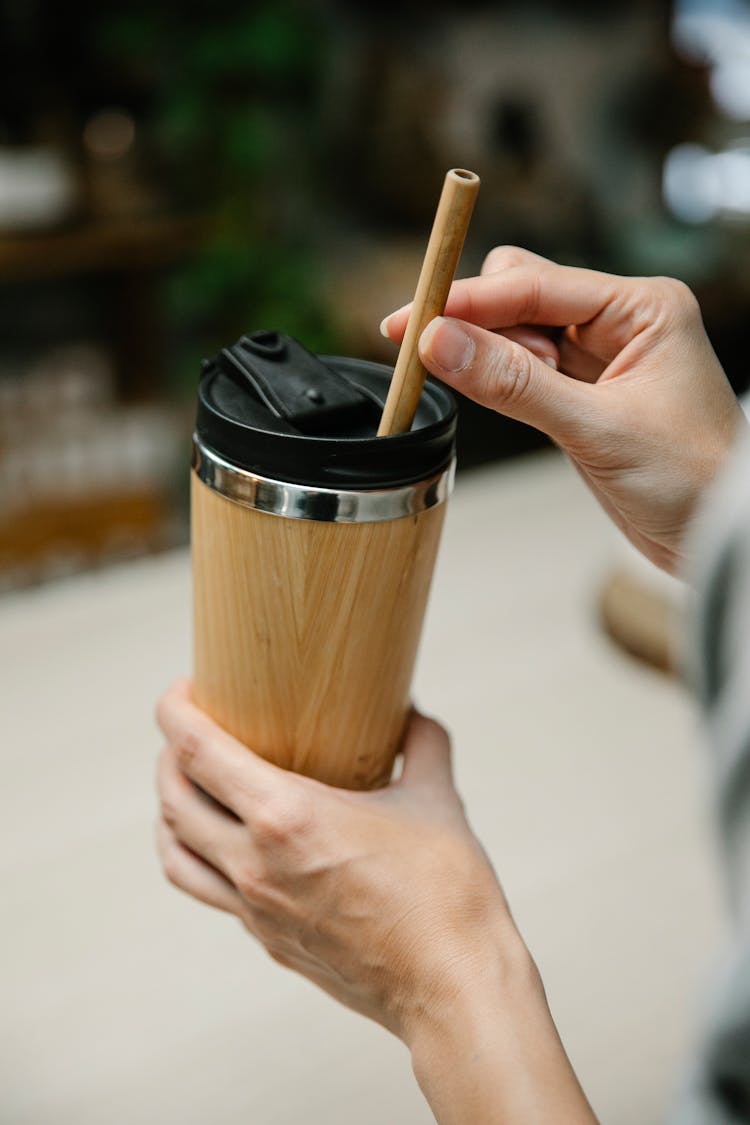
[[294, 384]]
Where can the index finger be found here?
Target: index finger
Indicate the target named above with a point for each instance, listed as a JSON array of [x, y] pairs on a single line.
[[220, 764], [527, 294]]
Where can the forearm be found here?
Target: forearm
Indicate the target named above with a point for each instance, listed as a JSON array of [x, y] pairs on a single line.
[[387, 901], [493, 1054]]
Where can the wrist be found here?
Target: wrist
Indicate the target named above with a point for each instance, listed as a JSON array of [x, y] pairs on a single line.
[[489, 1050], [473, 993]]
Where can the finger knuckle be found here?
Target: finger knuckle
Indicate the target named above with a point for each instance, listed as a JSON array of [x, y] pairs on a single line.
[[168, 812], [509, 377], [280, 820], [280, 957], [251, 882], [171, 868], [678, 296], [162, 709], [431, 728], [503, 257], [532, 298], [188, 750]]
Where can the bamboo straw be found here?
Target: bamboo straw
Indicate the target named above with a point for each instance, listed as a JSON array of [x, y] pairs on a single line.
[[441, 258]]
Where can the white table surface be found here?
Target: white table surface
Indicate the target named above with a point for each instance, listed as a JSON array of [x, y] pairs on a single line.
[[123, 1002]]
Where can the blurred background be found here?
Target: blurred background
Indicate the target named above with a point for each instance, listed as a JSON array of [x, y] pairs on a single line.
[[174, 175], [171, 176]]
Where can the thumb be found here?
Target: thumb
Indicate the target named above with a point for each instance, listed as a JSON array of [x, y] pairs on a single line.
[[427, 753], [502, 374]]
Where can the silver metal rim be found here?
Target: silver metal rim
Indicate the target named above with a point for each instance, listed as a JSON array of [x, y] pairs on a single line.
[[326, 505]]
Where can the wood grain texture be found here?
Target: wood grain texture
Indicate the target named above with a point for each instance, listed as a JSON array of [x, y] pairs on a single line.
[[452, 218], [306, 633]]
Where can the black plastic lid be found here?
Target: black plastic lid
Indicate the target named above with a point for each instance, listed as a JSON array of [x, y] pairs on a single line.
[[268, 405]]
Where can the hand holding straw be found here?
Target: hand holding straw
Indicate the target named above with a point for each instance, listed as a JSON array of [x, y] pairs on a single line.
[[438, 268]]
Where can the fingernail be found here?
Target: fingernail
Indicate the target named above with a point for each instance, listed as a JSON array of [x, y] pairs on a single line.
[[447, 344], [386, 319], [551, 362]]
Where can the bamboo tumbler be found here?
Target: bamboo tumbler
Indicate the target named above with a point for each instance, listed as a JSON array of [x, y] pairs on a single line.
[[313, 546]]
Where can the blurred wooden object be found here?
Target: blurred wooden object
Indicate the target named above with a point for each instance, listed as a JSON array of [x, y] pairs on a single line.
[[48, 537], [83, 479], [641, 620]]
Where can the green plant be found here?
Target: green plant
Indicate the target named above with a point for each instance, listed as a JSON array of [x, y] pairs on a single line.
[[229, 94]]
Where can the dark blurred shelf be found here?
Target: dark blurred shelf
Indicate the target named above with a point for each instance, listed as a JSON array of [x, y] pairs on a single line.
[[120, 260], [125, 245]]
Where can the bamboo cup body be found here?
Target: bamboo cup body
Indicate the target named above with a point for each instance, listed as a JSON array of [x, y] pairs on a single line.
[[306, 632]]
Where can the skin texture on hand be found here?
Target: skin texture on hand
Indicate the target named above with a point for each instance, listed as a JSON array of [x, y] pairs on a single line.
[[618, 371], [385, 900]]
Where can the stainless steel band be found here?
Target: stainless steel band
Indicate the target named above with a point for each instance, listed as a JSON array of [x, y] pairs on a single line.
[[328, 505]]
